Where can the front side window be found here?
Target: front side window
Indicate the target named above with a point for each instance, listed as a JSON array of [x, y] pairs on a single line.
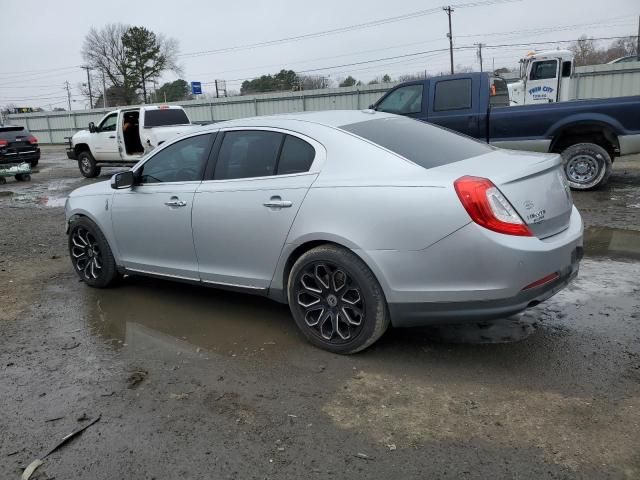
[[403, 100], [182, 161], [543, 70], [452, 95], [247, 154], [109, 123]]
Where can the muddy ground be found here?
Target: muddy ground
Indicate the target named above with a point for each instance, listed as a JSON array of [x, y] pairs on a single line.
[[196, 383]]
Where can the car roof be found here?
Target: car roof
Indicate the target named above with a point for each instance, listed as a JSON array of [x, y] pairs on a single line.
[[329, 118]]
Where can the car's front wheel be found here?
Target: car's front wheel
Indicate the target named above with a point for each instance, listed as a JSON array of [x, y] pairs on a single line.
[[336, 300], [90, 254]]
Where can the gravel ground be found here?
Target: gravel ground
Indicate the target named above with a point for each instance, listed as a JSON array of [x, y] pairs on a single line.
[[197, 383]]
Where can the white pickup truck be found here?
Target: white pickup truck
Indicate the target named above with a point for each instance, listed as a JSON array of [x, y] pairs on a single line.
[[123, 136]]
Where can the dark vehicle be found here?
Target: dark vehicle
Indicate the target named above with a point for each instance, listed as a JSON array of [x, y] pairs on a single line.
[[17, 145], [588, 133]]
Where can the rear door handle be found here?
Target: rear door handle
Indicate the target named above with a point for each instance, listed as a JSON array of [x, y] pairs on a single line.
[[277, 202], [175, 202]]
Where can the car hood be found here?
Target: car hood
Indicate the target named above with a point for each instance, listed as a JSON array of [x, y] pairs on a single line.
[[100, 188]]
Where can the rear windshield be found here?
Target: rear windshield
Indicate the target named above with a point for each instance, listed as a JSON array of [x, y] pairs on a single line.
[[427, 145], [161, 118], [10, 132]]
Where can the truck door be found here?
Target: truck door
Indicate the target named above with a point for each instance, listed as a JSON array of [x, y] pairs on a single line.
[[542, 82], [105, 142], [455, 104]]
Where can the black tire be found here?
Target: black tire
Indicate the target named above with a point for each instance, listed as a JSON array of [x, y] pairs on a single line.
[[33, 163], [87, 165], [586, 166], [355, 324], [90, 254], [20, 177], [3, 180]]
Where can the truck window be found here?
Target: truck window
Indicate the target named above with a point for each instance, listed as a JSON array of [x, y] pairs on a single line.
[[403, 100], [453, 95], [566, 68], [543, 70], [109, 123], [498, 92], [162, 117], [420, 142]]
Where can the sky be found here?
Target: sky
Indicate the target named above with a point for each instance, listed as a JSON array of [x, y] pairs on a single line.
[[40, 48]]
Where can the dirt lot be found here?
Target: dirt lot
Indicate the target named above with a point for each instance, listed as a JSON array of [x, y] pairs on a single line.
[[196, 383]]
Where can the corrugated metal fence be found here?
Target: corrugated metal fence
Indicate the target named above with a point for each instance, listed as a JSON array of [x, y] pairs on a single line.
[[594, 81], [52, 127], [605, 81]]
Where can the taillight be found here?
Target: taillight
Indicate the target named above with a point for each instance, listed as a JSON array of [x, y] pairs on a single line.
[[32, 140], [3, 143], [487, 207]]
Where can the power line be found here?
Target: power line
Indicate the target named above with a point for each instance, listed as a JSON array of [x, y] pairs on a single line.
[[374, 23]]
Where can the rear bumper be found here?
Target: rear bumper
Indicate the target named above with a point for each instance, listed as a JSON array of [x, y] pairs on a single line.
[[434, 313], [475, 274], [20, 157]]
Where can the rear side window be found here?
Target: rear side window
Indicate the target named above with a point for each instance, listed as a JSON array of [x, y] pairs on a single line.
[[422, 143], [403, 100], [566, 68], [248, 153], [543, 70], [453, 95], [162, 117], [498, 92], [296, 156]]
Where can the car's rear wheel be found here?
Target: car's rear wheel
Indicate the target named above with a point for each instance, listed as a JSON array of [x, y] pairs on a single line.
[[90, 254], [336, 300], [87, 165], [586, 166]]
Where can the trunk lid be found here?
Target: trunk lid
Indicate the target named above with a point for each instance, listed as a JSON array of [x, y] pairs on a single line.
[[533, 183]]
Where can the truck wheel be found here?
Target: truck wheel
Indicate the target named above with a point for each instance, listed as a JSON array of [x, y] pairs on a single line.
[[34, 163], [87, 165], [586, 166]]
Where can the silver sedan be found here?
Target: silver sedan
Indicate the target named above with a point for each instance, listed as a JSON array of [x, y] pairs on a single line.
[[355, 219]]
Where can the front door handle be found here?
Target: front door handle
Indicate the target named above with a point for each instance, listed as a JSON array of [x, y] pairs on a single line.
[[175, 202], [112, 136], [277, 202]]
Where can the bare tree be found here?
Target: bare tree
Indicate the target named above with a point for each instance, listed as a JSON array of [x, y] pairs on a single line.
[[104, 52], [586, 52], [408, 77], [313, 82]]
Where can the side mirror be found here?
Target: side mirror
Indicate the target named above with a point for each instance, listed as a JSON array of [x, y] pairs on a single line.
[[372, 107], [92, 127], [122, 180]]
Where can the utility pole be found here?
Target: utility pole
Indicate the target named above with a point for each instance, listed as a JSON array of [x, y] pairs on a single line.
[[104, 92], [638, 41], [87, 68], [216, 82], [66, 85], [480, 45], [450, 10]]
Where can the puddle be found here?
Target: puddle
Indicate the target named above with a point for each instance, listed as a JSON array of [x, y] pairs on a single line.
[[30, 197], [612, 243], [150, 314], [153, 315]]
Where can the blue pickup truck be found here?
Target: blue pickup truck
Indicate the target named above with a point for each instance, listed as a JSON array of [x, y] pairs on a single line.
[[588, 134]]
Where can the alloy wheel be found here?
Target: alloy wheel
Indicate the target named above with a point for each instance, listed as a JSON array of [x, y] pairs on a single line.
[[85, 252], [331, 301]]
